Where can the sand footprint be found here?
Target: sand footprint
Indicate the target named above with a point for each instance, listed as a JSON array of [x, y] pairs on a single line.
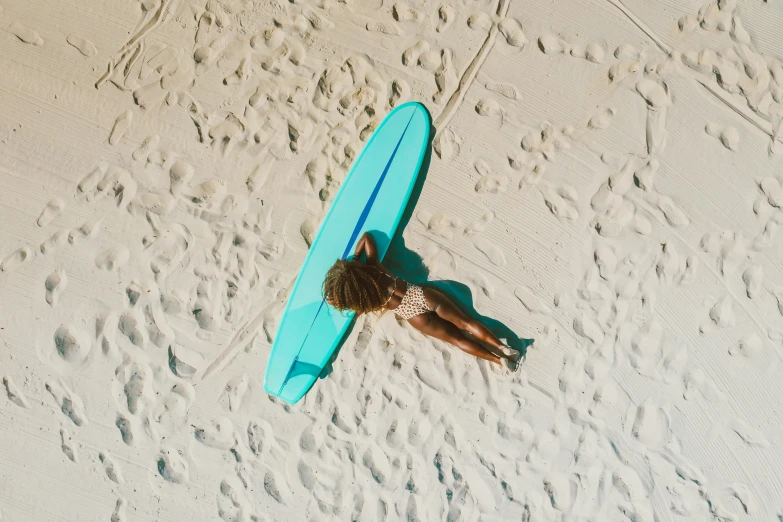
[[655, 93], [132, 325], [26, 35], [445, 76], [218, 434], [14, 259], [651, 425], [752, 277], [52, 209], [318, 21], [602, 119], [411, 55], [138, 390], [68, 446], [504, 89], [688, 23], [481, 224], [89, 228], [377, 463], [119, 510], [72, 344], [696, 380], [173, 466], [126, 428], [512, 32], [447, 144], [112, 258], [242, 72], [721, 315], [644, 177], [235, 391], [446, 17], [86, 47], [561, 491], [439, 224], [70, 403], [493, 253], [205, 26], [429, 61], [489, 181], [749, 435], [111, 468], [668, 266], [778, 293], [147, 146], [183, 362], [491, 108], [585, 326], [479, 22], [384, 27], [121, 124], [605, 261], [728, 136], [14, 394], [773, 190], [57, 239], [404, 13], [234, 502], [551, 44], [531, 301], [626, 51], [89, 183], [276, 487], [55, 284], [401, 91], [261, 440], [627, 482], [591, 52], [672, 212], [559, 206]]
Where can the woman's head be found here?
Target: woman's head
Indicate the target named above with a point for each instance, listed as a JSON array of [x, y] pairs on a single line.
[[353, 285]]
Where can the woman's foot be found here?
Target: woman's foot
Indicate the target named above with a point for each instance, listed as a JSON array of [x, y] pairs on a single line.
[[507, 366], [511, 364], [500, 369], [509, 352]]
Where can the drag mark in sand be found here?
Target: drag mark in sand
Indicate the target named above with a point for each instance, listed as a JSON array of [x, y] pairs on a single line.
[[442, 120]]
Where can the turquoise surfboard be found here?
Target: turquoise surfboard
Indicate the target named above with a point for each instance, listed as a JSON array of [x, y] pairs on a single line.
[[372, 198]]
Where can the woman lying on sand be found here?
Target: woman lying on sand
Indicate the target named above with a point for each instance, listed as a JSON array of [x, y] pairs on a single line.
[[369, 287]]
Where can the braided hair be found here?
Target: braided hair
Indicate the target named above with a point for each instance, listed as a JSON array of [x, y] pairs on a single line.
[[354, 285]]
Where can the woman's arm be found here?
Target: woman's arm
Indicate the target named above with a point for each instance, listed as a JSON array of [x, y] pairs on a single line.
[[367, 246]]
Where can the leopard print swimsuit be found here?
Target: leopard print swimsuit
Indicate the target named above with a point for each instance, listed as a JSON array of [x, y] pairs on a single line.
[[413, 303]]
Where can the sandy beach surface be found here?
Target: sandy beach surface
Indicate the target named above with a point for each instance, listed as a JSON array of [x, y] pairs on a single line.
[[606, 180]]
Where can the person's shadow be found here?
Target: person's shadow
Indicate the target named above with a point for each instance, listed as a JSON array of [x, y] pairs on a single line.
[[410, 266]]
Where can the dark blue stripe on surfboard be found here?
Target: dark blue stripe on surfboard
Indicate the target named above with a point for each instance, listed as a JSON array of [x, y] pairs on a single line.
[[354, 235]]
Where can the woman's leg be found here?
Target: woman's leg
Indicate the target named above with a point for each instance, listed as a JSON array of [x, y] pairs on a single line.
[[435, 326], [446, 309]]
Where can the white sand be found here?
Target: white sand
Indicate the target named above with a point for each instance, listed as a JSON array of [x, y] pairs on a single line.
[[605, 180]]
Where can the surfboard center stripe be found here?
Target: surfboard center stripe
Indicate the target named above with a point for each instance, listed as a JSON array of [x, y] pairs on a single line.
[[356, 229]]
